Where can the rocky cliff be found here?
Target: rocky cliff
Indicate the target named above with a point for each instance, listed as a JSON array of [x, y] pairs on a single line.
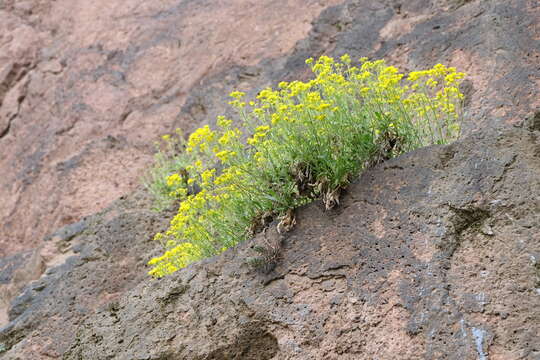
[[431, 255]]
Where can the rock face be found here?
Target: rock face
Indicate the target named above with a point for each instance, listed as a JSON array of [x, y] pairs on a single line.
[[86, 87], [433, 255], [106, 256]]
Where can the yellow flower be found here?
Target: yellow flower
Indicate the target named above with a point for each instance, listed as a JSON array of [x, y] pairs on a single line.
[[431, 83], [364, 75], [207, 176], [262, 128], [229, 136], [324, 106], [415, 75], [225, 155], [201, 135], [237, 94], [258, 111], [237, 103], [345, 59], [223, 122], [173, 179]]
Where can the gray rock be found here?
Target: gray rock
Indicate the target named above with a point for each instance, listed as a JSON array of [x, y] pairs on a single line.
[[405, 291], [395, 272]]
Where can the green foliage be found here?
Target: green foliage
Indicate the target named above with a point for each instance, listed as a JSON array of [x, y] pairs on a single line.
[[301, 142], [169, 160]]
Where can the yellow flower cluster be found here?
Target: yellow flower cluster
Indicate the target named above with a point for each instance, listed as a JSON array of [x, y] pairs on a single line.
[[176, 258], [260, 133], [330, 126], [201, 137], [173, 180]]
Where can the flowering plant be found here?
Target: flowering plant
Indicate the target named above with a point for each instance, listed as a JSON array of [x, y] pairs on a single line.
[[300, 142]]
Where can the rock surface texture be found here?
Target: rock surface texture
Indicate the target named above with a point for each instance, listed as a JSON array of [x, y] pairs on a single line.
[[434, 255], [86, 87], [431, 255]]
